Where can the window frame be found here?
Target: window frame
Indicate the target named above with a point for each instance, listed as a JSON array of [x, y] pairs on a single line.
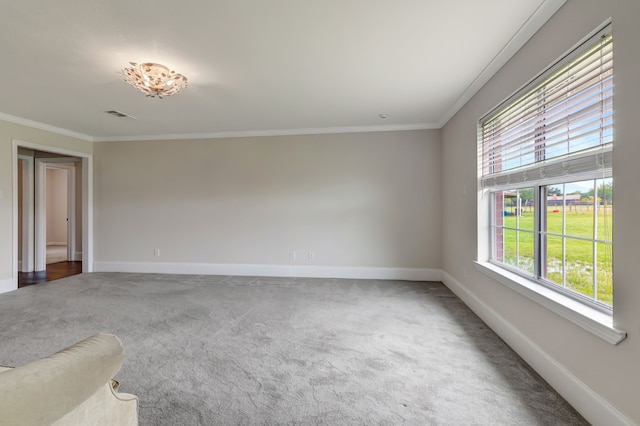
[[573, 307], [539, 237]]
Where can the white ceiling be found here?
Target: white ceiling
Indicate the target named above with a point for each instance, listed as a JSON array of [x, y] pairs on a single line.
[[254, 66]]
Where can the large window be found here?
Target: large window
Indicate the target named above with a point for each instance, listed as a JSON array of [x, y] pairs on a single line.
[[545, 159]]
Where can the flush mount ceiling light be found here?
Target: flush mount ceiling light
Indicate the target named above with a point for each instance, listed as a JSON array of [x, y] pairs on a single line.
[[154, 79]]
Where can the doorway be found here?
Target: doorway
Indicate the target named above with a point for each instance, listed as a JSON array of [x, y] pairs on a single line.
[[52, 213]]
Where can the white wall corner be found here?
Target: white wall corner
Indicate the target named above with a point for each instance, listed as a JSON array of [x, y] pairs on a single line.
[[409, 274], [591, 405], [8, 284]]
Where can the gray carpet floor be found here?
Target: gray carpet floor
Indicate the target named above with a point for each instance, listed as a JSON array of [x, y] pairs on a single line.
[[214, 350]]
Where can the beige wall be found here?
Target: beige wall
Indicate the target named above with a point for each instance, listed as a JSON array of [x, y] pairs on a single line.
[[612, 371], [9, 131], [366, 199]]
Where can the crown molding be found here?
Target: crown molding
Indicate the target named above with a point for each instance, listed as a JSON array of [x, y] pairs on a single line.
[[46, 127], [277, 132], [219, 135]]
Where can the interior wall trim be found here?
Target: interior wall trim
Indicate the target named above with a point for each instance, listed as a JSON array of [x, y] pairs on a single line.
[[8, 284], [585, 400], [409, 274]]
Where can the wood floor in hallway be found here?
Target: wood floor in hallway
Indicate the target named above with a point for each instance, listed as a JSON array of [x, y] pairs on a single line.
[[53, 272]]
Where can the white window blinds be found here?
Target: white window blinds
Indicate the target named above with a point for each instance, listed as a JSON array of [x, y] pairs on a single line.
[[560, 124]]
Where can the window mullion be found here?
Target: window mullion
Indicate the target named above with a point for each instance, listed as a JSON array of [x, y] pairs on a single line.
[[517, 230], [539, 246], [564, 236], [595, 238]]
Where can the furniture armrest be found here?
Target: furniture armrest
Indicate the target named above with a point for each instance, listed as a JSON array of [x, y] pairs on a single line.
[[106, 407], [43, 391]]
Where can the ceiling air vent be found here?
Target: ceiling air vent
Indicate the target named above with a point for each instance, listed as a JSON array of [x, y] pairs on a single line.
[[119, 114]]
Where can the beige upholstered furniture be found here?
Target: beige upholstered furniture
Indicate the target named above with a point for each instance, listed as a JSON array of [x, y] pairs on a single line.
[[71, 387]]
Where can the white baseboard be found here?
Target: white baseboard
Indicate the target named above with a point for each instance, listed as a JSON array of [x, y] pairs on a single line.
[[409, 274], [588, 403], [8, 284]]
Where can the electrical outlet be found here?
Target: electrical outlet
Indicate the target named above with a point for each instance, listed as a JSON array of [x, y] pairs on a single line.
[[156, 252], [292, 255], [311, 255]]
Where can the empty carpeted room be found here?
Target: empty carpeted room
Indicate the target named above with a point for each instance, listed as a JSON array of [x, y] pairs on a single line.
[[337, 213]]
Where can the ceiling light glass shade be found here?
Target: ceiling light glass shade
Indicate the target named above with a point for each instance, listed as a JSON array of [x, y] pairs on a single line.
[[154, 79]]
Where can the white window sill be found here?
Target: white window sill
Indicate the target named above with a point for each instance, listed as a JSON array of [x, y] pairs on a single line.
[[590, 319]]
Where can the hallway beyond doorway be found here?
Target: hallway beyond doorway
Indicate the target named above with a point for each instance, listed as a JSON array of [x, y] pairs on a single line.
[[56, 253], [53, 272]]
